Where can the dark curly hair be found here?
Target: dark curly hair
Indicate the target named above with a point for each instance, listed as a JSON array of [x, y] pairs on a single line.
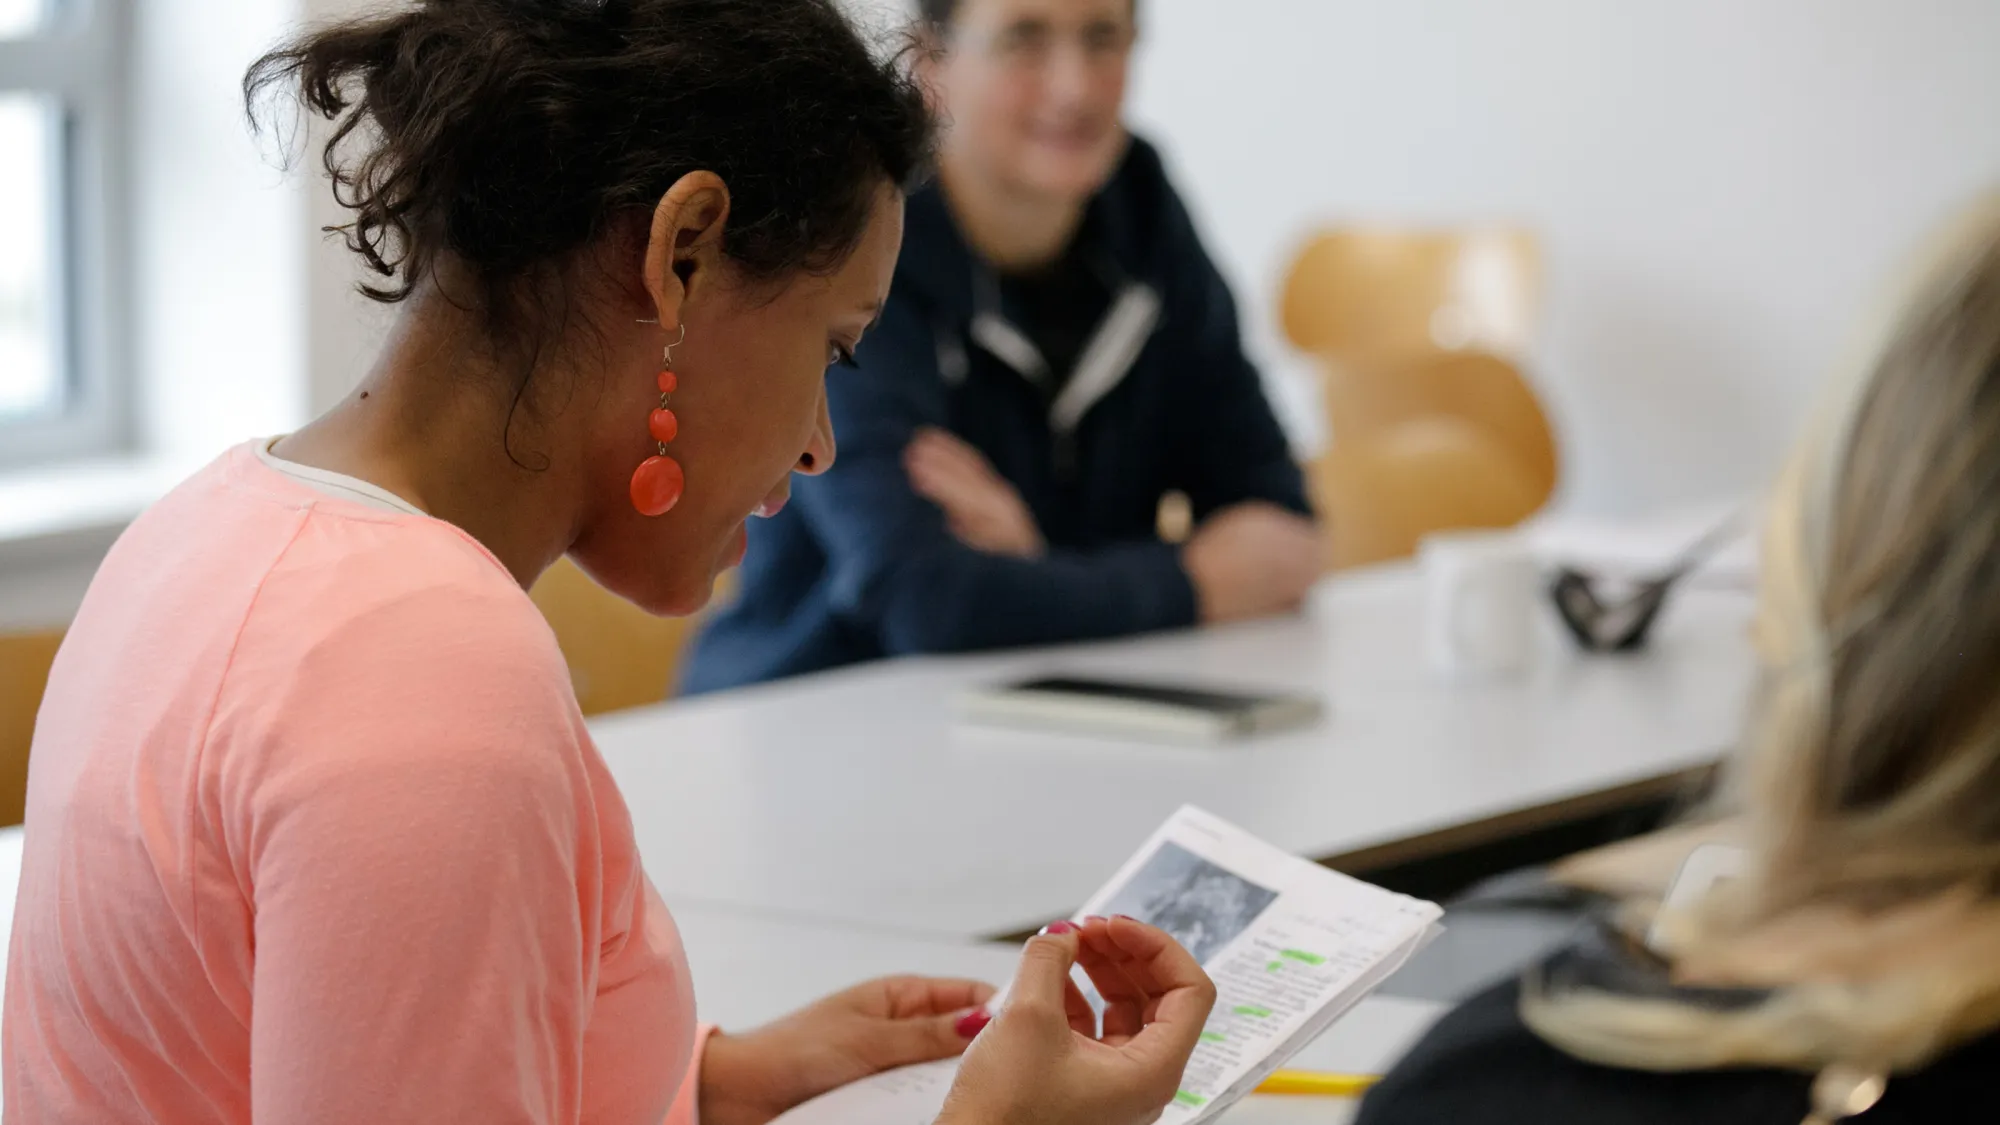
[[506, 135], [939, 13]]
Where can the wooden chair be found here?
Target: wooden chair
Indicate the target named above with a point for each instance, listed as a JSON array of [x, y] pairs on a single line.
[[24, 671], [1380, 496], [1430, 426], [619, 655], [1361, 296], [1480, 389]]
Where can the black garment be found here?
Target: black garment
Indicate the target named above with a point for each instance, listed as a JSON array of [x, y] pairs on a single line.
[[1059, 309], [1482, 1066]]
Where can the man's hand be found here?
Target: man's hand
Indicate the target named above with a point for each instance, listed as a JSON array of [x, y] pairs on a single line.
[[1252, 559], [982, 509]]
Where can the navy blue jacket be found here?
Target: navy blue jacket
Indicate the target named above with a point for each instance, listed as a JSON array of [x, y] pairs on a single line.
[[859, 566]]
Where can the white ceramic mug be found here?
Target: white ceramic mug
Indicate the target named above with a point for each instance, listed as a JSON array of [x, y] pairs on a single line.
[[1480, 590]]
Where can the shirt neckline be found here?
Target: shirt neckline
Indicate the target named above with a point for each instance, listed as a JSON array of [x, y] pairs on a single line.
[[334, 484]]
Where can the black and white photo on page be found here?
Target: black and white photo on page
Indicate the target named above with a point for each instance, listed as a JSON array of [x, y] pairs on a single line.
[[1203, 905]]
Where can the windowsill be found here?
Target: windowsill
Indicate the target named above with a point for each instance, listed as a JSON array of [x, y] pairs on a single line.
[[49, 512]]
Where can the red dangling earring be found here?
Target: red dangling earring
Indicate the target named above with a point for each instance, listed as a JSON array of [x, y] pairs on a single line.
[[658, 481]]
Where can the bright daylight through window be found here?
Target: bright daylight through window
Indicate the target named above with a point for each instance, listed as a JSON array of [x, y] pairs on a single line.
[[61, 89], [31, 360]]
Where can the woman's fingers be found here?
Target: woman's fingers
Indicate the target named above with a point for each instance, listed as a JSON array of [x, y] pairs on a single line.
[[1042, 981], [1028, 1065], [1035, 978], [1143, 951], [1082, 1017], [1125, 1000], [1183, 994], [1178, 1018], [1131, 945], [910, 996]]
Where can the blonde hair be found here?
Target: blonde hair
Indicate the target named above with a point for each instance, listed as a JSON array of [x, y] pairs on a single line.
[[1870, 780]]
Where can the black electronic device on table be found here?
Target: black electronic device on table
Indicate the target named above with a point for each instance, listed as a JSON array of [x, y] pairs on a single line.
[[1135, 708]]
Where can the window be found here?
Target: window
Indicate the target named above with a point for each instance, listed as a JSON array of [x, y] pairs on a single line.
[[59, 126]]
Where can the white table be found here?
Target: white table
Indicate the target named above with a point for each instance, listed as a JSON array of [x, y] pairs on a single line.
[[856, 796], [749, 969]]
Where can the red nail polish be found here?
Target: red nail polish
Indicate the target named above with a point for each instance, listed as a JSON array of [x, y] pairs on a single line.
[[972, 1023], [1061, 928], [1128, 918]]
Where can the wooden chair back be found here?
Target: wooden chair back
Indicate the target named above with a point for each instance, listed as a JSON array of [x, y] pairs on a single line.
[[25, 659], [1366, 295], [619, 655], [1478, 388], [1379, 497]]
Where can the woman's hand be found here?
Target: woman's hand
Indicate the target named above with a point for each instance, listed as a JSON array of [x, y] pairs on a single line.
[[1041, 1062], [982, 509], [751, 1078]]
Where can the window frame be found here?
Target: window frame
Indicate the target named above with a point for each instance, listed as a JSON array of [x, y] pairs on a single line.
[[80, 58]]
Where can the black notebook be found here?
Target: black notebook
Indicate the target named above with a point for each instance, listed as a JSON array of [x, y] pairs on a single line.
[[1175, 712]]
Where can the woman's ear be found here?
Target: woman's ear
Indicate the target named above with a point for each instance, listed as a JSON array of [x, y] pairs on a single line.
[[684, 249]]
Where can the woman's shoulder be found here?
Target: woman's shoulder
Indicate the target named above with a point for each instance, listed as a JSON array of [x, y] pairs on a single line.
[[366, 574], [399, 615]]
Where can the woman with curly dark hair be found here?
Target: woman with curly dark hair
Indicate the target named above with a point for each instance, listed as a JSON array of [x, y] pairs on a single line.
[[316, 832]]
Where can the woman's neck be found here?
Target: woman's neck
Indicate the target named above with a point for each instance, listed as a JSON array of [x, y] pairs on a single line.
[[1012, 231], [431, 424]]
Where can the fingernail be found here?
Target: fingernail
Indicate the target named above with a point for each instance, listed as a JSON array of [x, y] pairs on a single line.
[[1128, 918], [1097, 918], [972, 1023], [1060, 928]]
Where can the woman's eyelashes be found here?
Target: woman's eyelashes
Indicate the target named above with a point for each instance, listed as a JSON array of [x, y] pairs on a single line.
[[841, 356]]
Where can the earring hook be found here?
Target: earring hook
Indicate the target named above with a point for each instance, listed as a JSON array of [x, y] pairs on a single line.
[[677, 340]]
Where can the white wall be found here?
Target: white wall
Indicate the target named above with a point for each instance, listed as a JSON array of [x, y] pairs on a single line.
[[344, 330], [1718, 183], [219, 281]]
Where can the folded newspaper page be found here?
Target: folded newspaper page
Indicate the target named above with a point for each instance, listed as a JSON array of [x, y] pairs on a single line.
[[1291, 946]]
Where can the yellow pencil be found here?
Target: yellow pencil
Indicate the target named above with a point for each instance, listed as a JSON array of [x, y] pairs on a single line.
[[1318, 1083]]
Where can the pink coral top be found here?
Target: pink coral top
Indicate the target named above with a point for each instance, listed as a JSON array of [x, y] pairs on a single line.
[[316, 833]]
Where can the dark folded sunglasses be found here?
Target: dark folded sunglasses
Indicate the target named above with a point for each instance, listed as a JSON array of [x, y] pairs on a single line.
[[1602, 624]]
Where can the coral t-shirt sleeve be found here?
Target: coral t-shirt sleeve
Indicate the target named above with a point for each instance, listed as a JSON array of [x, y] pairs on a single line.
[[427, 887]]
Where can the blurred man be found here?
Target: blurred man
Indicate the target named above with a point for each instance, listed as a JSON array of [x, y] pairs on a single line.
[[1058, 353]]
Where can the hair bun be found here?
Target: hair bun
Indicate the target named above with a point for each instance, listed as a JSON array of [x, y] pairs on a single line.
[[502, 136], [597, 11]]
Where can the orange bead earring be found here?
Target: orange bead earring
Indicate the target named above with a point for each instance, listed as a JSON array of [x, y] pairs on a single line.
[[658, 482]]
